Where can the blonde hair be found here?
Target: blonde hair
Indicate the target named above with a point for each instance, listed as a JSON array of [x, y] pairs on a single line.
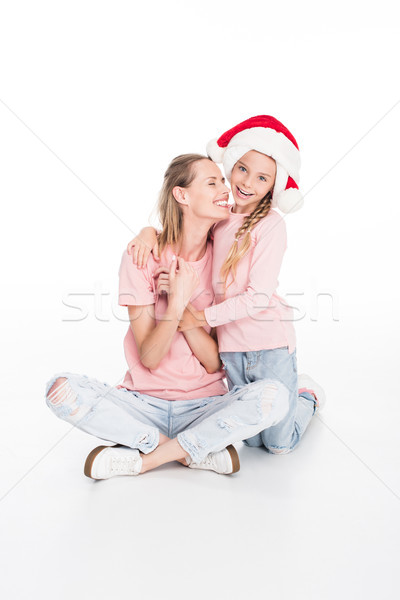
[[235, 253], [180, 172]]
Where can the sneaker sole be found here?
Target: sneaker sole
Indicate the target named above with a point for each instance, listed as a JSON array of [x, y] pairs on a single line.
[[234, 458], [87, 469]]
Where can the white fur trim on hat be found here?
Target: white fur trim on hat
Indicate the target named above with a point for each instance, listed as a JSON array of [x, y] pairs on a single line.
[[272, 143], [231, 156], [281, 179], [264, 140], [215, 152]]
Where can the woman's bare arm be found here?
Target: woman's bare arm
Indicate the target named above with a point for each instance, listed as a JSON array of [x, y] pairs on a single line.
[[203, 346], [153, 340]]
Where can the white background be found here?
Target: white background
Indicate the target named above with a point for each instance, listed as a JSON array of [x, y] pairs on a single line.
[[95, 99]]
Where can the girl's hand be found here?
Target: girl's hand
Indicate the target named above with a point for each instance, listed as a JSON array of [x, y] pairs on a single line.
[[191, 319], [182, 283], [141, 246], [162, 274]]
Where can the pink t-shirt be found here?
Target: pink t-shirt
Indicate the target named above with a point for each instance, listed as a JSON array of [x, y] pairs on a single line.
[[180, 375], [251, 316]]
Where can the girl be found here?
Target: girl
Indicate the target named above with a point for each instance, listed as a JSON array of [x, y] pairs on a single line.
[[174, 385], [254, 326]]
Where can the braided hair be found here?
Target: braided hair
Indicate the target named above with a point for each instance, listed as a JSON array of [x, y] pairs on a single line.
[[235, 253]]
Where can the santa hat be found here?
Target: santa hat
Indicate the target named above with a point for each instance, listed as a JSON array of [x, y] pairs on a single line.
[[268, 136]]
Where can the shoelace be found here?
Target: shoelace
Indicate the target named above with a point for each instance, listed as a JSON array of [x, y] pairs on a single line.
[[123, 464], [208, 461]]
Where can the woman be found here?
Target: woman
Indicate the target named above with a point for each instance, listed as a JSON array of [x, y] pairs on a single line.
[[174, 385]]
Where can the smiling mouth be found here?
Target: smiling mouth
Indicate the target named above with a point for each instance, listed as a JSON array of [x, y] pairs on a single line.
[[243, 194], [221, 203]]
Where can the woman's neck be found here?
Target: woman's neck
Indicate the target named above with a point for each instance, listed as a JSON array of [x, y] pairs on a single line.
[[193, 243]]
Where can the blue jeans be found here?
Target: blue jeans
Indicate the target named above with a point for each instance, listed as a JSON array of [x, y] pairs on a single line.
[[245, 367], [135, 420]]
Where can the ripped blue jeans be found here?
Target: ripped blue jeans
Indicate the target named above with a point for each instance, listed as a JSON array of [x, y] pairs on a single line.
[[135, 420], [243, 368]]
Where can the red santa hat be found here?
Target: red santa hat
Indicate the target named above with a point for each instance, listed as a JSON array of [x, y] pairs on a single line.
[[268, 136]]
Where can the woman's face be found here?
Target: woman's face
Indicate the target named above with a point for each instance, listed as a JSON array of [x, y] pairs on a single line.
[[207, 195], [253, 176]]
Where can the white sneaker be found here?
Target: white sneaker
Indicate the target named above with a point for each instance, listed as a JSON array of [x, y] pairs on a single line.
[[307, 384], [108, 461], [225, 461]]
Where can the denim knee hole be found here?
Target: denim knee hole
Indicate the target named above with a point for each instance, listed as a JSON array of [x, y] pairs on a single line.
[[64, 401]]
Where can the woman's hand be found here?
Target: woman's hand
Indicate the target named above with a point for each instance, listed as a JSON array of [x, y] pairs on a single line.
[[191, 319], [162, 275], [141, 246], [183, 280]]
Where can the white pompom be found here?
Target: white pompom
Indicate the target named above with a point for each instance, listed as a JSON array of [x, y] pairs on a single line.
[[215, 152], [289, 200]]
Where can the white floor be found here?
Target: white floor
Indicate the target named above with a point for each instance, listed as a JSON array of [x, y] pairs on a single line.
[[320, 523]]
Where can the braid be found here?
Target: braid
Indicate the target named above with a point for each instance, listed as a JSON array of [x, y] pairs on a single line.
[[235, 253]]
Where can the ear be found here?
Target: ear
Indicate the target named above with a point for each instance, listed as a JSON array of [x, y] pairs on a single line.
[[179, 194]]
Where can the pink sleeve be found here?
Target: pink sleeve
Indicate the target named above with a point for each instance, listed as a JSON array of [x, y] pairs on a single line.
[[135, 285], [265, 264]]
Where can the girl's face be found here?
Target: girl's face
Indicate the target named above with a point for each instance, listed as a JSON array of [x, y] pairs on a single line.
[[253, 176], [207, 195]]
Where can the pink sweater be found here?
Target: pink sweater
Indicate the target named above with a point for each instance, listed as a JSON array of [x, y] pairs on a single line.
[[251, 316]]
